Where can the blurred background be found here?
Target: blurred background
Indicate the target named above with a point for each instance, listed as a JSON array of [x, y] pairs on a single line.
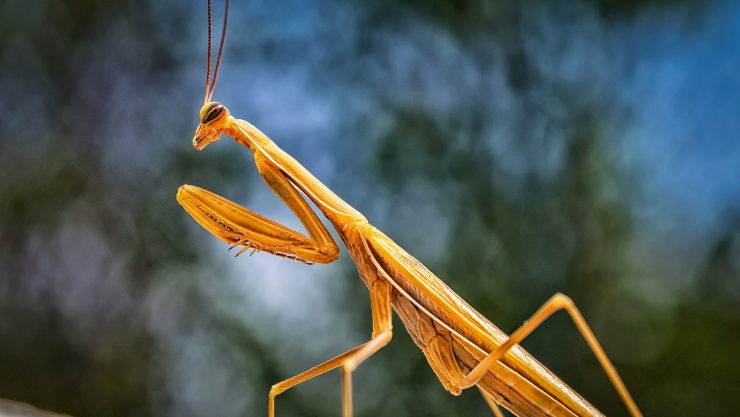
[[515, 148]]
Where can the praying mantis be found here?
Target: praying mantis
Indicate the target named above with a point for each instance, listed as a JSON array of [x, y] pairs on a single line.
[[462, 347]]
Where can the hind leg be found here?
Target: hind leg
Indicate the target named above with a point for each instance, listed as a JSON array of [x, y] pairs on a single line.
[[491, 403], [556, 303]]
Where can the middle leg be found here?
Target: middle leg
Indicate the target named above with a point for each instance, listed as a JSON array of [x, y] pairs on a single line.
[[382, 333]]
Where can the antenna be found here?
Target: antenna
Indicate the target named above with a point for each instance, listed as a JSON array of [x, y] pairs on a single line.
[[209, 89]]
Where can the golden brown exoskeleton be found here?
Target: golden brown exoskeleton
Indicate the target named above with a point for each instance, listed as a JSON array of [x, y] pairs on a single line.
[[463, 348]]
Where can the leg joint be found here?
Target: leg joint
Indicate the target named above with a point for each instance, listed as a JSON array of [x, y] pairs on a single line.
[[562, 301]]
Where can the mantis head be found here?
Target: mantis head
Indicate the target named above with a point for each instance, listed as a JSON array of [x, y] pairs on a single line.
[[214, 118]]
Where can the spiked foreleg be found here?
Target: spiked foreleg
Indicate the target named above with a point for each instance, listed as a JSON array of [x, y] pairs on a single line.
[[240, 226]]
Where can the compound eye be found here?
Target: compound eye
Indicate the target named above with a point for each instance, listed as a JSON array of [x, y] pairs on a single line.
[[212, 113]]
